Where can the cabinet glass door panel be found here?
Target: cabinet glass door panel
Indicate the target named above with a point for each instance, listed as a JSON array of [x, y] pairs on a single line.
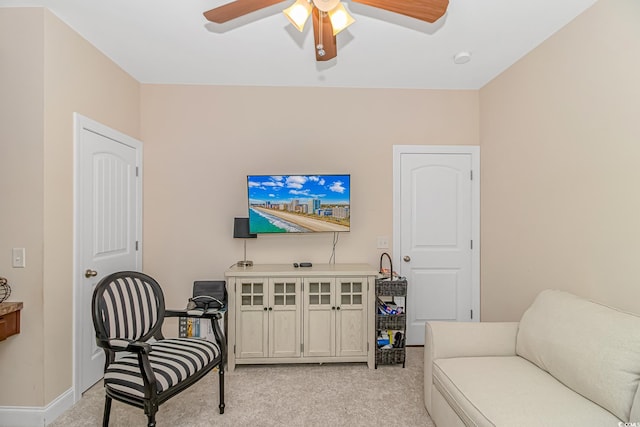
[[284, 293], [351, 293], [252, 293]]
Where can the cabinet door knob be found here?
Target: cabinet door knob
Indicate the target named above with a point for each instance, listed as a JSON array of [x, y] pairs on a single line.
[[333, 308], [337, 308], [90, 273], [270, 308], [265, 309], [406, 258]]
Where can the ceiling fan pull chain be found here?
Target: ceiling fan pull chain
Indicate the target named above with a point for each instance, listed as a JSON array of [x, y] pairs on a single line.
[[320, 46]]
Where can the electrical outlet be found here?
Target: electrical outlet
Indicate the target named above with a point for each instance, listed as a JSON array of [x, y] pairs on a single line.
[[383, 242], [18, 258]]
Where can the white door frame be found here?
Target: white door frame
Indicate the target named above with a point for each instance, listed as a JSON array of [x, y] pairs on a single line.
[[472, 150], [84, 123]]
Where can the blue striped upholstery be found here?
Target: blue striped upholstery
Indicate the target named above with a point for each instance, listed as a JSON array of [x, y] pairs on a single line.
[[172, 360]]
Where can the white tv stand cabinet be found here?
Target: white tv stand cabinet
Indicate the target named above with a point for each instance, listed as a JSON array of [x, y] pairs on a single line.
[[282, 314]]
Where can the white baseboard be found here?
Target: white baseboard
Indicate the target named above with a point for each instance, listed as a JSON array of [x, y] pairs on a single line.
[[32, 416]]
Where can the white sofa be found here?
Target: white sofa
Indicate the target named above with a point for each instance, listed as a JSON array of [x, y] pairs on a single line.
[[568, 362]]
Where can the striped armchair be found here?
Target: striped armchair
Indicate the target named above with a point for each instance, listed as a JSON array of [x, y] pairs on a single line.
[[128, 312]]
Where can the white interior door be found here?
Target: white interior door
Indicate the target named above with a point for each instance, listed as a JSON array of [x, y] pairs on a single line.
[[108, 222], [436, 238]]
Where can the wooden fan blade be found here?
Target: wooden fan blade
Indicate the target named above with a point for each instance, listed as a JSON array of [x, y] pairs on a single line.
[[425, 10], [328, 39], [236, 9]]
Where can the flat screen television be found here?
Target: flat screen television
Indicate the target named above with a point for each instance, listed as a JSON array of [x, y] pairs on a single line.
[[299, 203]]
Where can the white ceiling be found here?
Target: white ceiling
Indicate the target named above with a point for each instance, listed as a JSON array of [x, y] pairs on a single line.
[[170, 41]]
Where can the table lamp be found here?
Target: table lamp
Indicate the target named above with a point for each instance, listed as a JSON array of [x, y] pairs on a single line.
[[241, 231]]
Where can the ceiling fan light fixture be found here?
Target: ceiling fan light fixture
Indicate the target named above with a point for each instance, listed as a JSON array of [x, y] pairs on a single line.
[[340, 18], [298, 13]]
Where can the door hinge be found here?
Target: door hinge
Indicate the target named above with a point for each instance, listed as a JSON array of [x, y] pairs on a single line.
[[472, 244], [136, 245], [301, 347], [367, 347], [472, 314], [471, 173], [137, 171], [234, 349]]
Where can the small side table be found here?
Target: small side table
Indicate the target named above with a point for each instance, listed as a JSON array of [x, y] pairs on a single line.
[[9, 319]]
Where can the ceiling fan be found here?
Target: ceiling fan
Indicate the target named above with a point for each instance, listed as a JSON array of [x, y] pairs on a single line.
[[329, 16]]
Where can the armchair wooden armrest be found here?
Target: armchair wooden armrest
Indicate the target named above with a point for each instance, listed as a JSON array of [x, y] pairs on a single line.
[[197, 313], [120, 344]]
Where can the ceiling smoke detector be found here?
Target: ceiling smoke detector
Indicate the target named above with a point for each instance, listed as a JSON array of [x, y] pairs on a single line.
[[462, 58]]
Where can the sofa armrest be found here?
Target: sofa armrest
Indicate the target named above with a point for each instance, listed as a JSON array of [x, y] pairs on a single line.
[[465, 339]]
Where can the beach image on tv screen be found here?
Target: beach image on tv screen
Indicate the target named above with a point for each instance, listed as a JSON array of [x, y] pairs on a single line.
[[299, 203]]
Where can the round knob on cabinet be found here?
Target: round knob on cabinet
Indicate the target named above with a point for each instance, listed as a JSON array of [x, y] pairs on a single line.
[[406, 258]]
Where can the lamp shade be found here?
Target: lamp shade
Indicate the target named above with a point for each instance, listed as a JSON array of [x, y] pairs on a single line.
[[241, 229], [298, 13], [340, 18]]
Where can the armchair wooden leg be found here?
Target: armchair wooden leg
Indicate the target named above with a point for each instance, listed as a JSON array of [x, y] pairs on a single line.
[[222, 342], [221, 383], [150, 409], [107, 411]]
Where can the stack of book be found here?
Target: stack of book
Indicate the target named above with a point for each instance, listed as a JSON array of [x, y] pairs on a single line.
[[189, 327]]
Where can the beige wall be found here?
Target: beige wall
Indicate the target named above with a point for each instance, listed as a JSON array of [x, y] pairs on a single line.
[[21, 189], [560, 139], [202, 141], [55, 73], [78, 78]]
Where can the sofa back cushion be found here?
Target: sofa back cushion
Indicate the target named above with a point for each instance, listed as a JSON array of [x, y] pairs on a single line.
[[591, 348]]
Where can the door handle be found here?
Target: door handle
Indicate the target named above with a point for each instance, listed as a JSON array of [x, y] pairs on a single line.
[[406, 258], [90, 273]]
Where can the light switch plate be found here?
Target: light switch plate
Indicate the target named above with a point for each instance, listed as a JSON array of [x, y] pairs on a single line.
[[18, 258]]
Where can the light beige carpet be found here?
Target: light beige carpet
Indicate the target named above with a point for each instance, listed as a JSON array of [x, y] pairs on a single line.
[[282, 395]]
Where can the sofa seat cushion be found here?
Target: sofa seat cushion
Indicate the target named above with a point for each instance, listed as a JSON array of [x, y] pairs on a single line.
[[511, 391]]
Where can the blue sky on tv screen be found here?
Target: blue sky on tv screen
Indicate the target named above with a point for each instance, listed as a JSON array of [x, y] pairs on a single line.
[[330, 189]]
